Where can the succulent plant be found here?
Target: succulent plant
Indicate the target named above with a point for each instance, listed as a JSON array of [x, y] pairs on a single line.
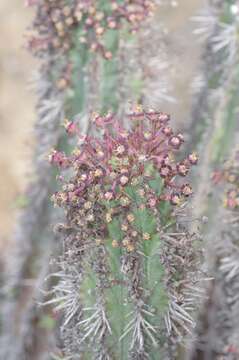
[[218, 326], [63, 36], [130, 271]]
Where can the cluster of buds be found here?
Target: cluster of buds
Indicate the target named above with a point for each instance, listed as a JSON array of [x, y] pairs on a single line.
[[121, 174], [230, 175], [57, 19]]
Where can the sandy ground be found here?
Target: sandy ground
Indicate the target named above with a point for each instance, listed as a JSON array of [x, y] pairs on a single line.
[[17, 101], [16, 109]]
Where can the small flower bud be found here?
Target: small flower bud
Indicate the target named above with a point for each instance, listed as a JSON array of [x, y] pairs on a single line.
[[141, 192], [175, 142], [124, 201], [168, 131], [124, 227], [83, 177], [115, 244], [193, 158], [124, 180], [130, 218], [62, 84], [108, 217], [98, 173], [147, 135], [98, 241], [114, 6], [112, 24], [99, 16], [69, 21], [109, 195], [83, 40], [125, 242], [165, 171], [120, 150], [182, 169], [66, 10], [89, 21], [186, 190], [99, 30], [78, 15], [146, 236], [90, 218], [175, 199], [70, 127], [152, 202], [108, 55], [92, 10], [130, 248], [88, 205]]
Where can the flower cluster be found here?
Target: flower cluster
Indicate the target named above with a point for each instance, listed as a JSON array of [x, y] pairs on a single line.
[[123, 176], [56, 19], [230, 175]]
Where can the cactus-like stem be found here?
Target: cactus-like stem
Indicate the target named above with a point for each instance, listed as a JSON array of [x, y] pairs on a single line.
[[217, 132], [17, 321], [219, 330], [63, 42], [132, 266]]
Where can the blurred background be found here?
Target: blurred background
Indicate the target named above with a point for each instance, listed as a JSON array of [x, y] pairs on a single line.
[[16, 111]]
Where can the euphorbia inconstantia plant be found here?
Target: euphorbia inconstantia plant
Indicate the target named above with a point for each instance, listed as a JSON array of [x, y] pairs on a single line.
[[94, 18], [63, 35], [70, 29], [218, 330], [129, 268]]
